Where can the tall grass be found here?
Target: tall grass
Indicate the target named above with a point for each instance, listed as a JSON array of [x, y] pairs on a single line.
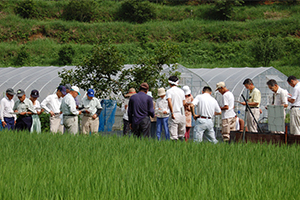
[[47, 166]]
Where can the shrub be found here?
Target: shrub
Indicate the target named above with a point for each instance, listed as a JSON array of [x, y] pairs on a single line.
[[223, 9], [66, 54], [82, 11], [136, 11], [266, 49], [26, 9], [22, 57]]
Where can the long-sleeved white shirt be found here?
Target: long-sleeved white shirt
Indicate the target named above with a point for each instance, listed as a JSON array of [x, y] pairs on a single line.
[[7, 108], [125, 111], [51, 103], [161, 106], [68, 105]]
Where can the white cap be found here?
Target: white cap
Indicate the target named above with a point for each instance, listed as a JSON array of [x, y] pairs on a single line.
[[186, 90], [76, 89], [149, 93]]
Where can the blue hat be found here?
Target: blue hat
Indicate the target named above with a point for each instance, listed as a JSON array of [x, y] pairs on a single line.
[[90, 93]]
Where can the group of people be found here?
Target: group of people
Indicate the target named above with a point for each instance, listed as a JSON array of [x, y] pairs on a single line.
[[63, 107], [175, 108]]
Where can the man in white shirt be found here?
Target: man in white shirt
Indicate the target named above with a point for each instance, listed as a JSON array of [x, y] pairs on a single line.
[[176, 101], [70, 114], [7, 103], [52, 105], [207, 108], [295, 105], [228, 114], [280, 96], [90, 119]]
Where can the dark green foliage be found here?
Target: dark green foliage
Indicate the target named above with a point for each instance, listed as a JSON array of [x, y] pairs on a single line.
[[45, 122], [65, 55], [266, 49], [138, 11], [82, 11], [22, 57], [142, 37], [223, 9], [26, 9]]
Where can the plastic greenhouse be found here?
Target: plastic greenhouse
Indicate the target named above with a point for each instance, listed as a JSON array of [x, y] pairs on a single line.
[[234, 78], [45, 79]]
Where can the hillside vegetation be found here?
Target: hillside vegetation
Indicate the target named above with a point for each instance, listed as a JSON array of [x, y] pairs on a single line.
[[204, 41]]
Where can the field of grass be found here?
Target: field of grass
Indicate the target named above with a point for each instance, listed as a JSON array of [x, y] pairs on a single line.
[[47, 166]]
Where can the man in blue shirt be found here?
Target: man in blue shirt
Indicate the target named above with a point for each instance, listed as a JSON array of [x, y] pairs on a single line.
[[140, 107]]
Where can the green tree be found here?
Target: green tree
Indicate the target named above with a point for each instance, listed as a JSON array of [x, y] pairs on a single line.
[[266, 49], [153, 69], [98, 71], [104, 70]]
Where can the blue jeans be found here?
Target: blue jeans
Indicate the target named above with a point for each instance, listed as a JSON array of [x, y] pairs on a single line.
[[162, 122], [206, 127]]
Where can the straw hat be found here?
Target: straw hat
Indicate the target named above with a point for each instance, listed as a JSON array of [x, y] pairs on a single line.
[[131, 92], [161, 91]]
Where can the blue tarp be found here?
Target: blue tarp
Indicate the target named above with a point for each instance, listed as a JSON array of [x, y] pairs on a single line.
[[107, 116]]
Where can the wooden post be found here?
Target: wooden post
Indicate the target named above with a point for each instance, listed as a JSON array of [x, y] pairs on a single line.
[[285, 135]]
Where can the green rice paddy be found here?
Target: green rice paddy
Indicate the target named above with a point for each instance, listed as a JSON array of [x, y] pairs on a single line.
[[47, 166]]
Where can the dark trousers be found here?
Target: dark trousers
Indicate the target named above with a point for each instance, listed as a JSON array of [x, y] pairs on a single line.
[[10, 123], [126, 127], [23, 123], [143, 128]]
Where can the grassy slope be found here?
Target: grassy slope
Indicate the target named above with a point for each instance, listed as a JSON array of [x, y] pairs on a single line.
[[203, 42], [50, 166]]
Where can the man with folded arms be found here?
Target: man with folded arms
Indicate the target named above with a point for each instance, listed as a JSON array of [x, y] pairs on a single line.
[[7, 103], [295, 105], [70, 114], [24, 109], [207, 108], [228, 114], [52, 105], [90, 119]]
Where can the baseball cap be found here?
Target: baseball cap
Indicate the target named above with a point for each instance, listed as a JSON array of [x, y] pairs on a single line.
[[10, 91], [62, 89], [76, 89], [219, 85], [35, 93], [91, 93], [144, 86], [68, 87], [20, 93]]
